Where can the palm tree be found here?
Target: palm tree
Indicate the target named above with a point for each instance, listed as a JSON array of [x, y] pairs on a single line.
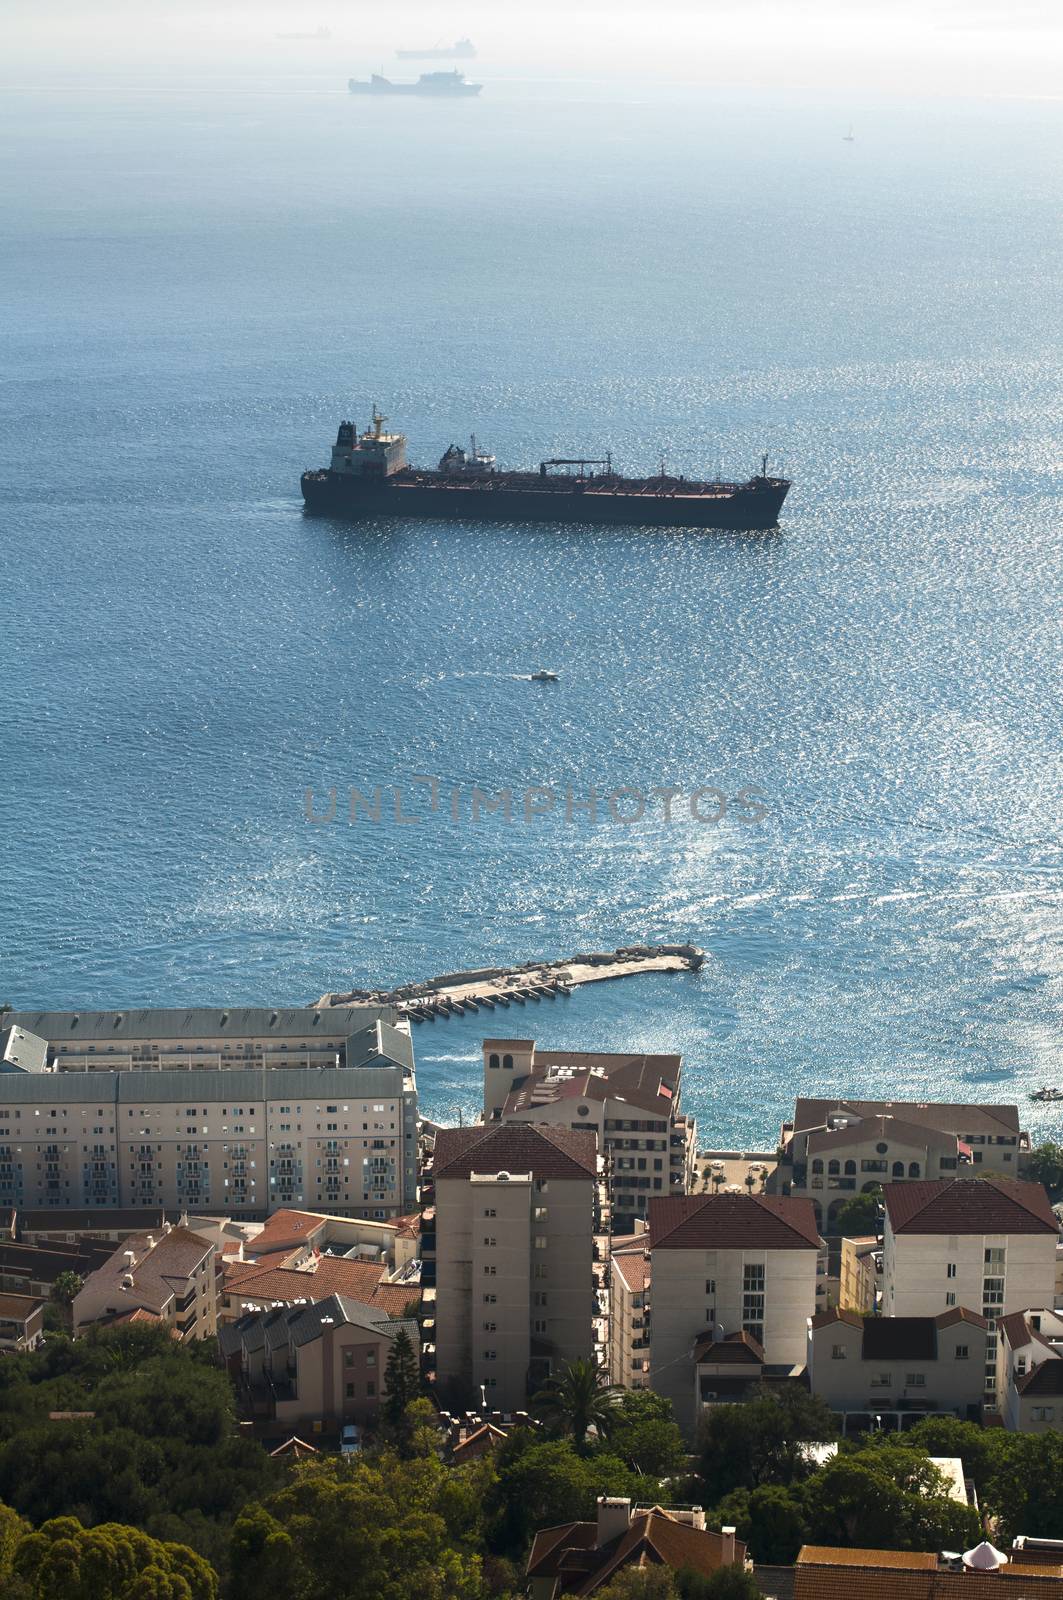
[[577, 1399]]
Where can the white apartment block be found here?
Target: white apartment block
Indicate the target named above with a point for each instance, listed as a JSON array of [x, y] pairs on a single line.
[[244, 1111], [170, 1277], [516, 1213], [630, 1101], [883, 1370], [723, 1266], [834, 1149], [629, 1316], [1030, 1370], [988, 1244]]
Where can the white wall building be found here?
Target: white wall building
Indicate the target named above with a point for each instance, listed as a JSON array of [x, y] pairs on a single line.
[[988, 1244], [722, 1265], [868, 1367], [1030, 1370]]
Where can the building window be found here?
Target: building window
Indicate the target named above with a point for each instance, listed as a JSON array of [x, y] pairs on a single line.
[[490, 1355], [850, 1169], [837, 1352], [882, 1380], [370, 1389], [950, 1299], [348, 1358], [490, 1327], [1043, 1413], [490, 1299], [710, 1285], [913, 1169], [488, 1242], [994, 1258], [817, 1165], [540, 1213], [833, 1168], [915, 1380], [490, 1212], [962, 1352], [753, 1300], [540, 1241], [350, 1391], [489, 1272], [898, 1169], [539, 1326]]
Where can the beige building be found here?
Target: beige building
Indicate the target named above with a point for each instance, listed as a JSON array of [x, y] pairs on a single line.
[[859, 1263], [516, 1214], [723, 1265], [171, 1277], [880, 1370], [631, 1102], [989, 1244], [317, 1366], [629, 1314], [244, 1111], [834, 1149], [21, 1322], [1030, 1370]]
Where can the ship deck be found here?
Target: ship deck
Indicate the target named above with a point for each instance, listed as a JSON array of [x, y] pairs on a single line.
[[564, 484]]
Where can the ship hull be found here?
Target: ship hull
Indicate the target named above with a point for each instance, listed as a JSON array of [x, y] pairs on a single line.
[[746, 507]]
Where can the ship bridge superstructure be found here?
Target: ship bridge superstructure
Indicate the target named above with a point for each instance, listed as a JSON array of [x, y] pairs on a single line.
[[370, 454]]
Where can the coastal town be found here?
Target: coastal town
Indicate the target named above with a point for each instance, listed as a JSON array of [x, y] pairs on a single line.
[[643, 1365]]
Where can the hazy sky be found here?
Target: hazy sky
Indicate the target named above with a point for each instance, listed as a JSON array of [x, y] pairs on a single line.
[[939, 47]]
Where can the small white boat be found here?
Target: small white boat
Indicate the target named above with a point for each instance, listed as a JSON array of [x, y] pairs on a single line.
[[542, 676]]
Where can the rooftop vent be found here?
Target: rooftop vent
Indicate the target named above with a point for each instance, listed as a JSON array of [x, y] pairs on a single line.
[[984, 1558]]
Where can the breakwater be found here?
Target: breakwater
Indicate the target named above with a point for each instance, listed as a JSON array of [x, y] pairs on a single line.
[[502, 987]]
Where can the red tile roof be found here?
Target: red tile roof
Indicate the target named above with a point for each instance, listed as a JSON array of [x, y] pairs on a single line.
[[957, 1118], [516, 1147], [570, 1554], [732, 1222], [734, 1349], [333, 1275], [634, 1267], [969, 1205], [825, 1555]]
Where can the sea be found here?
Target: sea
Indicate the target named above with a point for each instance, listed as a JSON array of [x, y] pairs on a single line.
[[830, 755]]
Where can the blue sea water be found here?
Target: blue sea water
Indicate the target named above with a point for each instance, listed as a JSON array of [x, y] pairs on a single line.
[[198, 281]]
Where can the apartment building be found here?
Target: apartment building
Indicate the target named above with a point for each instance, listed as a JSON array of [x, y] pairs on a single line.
[[629, 1317], [322, 1364], [834, 1149], [630, 1101], [1030, 1370], [889, 1368], [171, 1278], [989, 1244], [721, 1265], [245, 1111], [516, 1214]]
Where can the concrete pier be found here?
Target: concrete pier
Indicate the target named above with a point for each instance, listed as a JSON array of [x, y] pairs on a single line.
[[455, 992]]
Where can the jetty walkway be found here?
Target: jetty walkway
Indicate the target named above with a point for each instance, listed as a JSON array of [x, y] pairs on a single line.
[[457, 992]]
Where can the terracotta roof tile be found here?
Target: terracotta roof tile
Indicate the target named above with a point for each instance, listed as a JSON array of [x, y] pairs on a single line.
[[957, 1118], [516, 1147], [825, 1555], [333, 1275], [969, 1205], [732, 1221]]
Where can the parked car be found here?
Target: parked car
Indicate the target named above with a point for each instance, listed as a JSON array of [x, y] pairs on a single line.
[[350, 1439]]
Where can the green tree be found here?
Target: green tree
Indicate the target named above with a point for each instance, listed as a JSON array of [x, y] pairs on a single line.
[[13, 1528], [65, 1288], [771, 1520], [640, 1583], [1025, 1485], [1044, 1165], [110, 1562], [402, 1378], [759, 1441], [726, 1583], [576, 1400], [886, 1497], [545, 1482], [372, 1529], [643, 1432], [860, 1215]]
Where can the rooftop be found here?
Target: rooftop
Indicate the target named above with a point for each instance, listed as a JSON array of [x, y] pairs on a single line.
[[571, 1554], [201, 1022], [969, 1205], [516, 1147], [732, 1222], [649, 1082], [161, 1266], [946, 1118]]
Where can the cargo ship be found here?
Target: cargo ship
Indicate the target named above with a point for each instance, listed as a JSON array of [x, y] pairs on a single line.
[[368, 476], [460, 50], [435, 83]]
